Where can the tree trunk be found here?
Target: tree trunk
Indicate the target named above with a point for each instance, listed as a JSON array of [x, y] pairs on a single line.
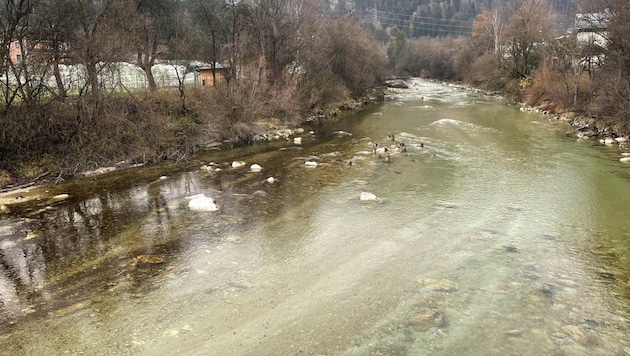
[[92, 78], [61, 89], [152, 86]]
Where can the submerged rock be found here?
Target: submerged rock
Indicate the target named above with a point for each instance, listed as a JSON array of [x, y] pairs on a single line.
[[72, 308], [576, 333], [427, 319], [150, 259], [439, 285]]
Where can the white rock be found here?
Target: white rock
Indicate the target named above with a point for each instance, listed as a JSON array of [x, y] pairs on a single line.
[[59, 197], [609, 141], [297, 140], [365, 196], [271, 180], [255, 168], [310, 164], [202, 203], [621, 139], [237, 164], [624, 159]]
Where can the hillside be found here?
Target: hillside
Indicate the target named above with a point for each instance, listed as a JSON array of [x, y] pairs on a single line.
[[435, 17]]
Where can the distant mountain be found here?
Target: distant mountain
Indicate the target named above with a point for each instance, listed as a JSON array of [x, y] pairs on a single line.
[[434, 17]]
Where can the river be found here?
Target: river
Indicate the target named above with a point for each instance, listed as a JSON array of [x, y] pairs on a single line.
[[492, 233]]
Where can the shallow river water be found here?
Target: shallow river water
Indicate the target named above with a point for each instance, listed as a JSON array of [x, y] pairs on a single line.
[[493, 234]]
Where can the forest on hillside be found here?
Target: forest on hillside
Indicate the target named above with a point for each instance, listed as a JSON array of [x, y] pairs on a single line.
[[521, 53], [437, 17]]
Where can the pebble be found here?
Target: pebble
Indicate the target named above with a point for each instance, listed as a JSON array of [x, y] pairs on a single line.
[[514, 333]]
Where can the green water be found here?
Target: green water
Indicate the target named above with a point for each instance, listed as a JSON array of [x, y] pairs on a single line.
[[493, 234]]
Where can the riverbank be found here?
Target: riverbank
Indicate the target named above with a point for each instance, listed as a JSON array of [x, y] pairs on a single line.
[[22, 189], [607, 131]]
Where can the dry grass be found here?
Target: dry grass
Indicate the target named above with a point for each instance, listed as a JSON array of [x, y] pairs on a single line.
[[63, 138]]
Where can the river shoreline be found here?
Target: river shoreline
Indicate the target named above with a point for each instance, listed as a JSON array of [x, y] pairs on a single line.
[[34, 190], [584, 128]]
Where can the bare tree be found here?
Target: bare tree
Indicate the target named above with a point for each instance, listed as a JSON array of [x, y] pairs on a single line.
[[488, 30], [152, 27], [19, 80], [53, 28], [615, 78], [531, 26], [211, 18], [99, 37], [183, 50], [272, 32]]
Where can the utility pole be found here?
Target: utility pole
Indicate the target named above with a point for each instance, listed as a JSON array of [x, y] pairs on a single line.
[[375, 17]]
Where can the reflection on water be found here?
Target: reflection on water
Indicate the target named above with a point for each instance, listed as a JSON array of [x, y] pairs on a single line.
[[492, 234]]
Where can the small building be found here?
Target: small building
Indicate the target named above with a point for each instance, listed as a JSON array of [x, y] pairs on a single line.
[[15, 51], [592, 28], [205, 77]]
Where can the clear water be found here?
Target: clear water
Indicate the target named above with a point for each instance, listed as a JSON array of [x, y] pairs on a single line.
[[494, 234]]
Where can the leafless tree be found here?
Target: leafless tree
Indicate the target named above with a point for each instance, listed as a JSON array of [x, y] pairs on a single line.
[[152, 27], [530, 27], [99, 37], [52, 27]]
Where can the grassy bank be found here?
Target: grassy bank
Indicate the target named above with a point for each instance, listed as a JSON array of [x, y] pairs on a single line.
[[58, 140]]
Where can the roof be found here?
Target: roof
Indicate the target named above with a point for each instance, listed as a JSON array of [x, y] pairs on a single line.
[[199, 66], [598, 20]]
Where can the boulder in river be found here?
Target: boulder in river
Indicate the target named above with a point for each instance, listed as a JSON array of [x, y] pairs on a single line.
[[397, 83], [202, 203], [368, 197]]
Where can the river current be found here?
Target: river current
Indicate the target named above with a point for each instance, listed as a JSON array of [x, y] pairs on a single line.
[[492, 233]]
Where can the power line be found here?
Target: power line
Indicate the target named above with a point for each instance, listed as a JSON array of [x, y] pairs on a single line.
[[393, 19], [455, 32], [420, 17]]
